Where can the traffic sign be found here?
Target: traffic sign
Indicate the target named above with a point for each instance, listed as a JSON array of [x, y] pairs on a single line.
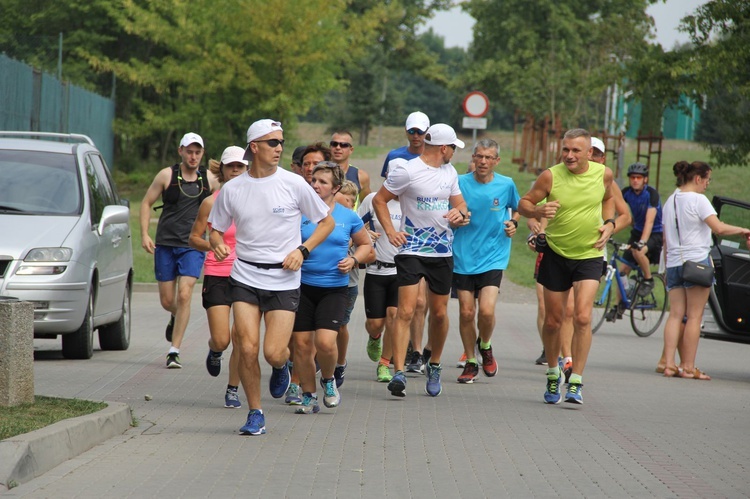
[[475, 123], [476, 104]]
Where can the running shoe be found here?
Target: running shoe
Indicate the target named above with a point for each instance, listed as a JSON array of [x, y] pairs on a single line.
[[292, 395], [489, 364], [568, 369], [647, 285], [170, 328], [471, 371], [397, 385], [280, 381], [173, 361], [574, 395], [384, 373], [331, 395], [232, 399], [213, 363], [462, 361], [256, 423], [415, 364], [553, 395], [374, 348], [309, 404], [541, 360], [338, 374], [433, 387]]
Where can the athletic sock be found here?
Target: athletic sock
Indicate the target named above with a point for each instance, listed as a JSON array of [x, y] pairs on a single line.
[[174, 350], [553, 372], [576, 378], [232, 387], [384, 361], [483, 345], [472, 360]]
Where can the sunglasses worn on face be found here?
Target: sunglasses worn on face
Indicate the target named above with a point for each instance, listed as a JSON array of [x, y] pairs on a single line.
[[452, 146], [272, 142], [417, 131], [342, 145]]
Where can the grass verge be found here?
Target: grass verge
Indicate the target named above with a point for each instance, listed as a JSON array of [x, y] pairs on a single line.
[[43, 412]]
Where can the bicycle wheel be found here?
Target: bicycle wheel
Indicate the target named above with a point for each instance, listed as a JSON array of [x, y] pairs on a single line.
[[648, 311], [601, 304]]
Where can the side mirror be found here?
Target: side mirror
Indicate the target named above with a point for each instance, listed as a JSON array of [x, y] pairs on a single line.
[[113, 214]]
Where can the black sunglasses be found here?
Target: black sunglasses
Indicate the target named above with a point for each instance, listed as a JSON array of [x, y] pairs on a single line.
[[452, 146], [272, 142], [342, 145], [416, 131]]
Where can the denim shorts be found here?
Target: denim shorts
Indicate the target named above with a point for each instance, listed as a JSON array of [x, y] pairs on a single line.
[[171, 262], [675, 280]]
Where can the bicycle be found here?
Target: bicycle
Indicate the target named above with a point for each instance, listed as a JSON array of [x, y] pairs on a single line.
[[646, 307]]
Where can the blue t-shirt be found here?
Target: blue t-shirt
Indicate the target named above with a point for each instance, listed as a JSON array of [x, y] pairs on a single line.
[[639, 205], [402, 154], [321, 268], [482, 245]]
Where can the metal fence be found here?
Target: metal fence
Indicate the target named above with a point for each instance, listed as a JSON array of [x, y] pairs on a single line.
[[38, 102]]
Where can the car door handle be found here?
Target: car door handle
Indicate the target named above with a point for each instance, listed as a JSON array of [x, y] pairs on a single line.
[[116, 241]]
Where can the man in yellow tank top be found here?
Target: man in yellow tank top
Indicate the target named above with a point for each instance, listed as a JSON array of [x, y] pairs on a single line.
[[578, 199]]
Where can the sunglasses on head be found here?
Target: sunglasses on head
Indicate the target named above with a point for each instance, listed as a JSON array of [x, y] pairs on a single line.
[[342, 145], [417, 131], [272, 142]]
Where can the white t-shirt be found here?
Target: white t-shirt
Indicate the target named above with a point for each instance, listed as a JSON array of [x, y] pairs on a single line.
[[424, 193], [694, 241], [267, 213], [384, 250]]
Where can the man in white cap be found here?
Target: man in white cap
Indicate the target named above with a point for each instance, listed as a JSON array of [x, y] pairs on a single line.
[[427, 190], [416, 127], [177, 266], [266, 206]]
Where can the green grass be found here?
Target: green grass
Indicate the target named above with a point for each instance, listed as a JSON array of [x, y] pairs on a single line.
[[43, 412]]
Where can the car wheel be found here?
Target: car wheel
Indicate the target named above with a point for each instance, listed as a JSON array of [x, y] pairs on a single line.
[[116, 336], [80, 344]]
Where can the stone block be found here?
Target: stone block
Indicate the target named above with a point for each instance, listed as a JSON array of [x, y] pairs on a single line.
[[16, 352]]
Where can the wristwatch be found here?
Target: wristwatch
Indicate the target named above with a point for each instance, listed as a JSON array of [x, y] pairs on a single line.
[[514, 222], [610, 221], [305, 252]]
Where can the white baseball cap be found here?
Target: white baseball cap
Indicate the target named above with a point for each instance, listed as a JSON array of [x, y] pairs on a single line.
[[598, 144], [418, 120], [441, 134], [191, 138], [233, 154], [261, 128]]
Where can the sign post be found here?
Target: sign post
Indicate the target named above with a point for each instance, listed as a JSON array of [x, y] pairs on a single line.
[[476, 106]]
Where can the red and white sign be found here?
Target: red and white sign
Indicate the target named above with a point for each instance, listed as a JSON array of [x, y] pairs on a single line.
[[476, 104]]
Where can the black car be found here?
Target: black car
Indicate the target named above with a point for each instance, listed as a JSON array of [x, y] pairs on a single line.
[[727, 314]]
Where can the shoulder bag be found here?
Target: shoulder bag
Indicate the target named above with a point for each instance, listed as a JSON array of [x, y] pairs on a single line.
[[698, 273]]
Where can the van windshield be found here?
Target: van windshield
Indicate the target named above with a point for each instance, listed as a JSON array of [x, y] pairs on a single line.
[[35, 182]]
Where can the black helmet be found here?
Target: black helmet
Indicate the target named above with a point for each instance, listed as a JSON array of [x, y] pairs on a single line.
[[638, 169]]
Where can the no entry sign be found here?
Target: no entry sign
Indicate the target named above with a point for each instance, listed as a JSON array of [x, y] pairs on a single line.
[[476, 104]]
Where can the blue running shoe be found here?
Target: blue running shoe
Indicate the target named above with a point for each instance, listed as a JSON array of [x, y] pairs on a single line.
[[292, 395], [433, 387], [331, 395], [309, 404], [397, 386], [213, 363], [553, 395], [338, 374], [256, 423], [280, 381], [232, 399], [574, 395]]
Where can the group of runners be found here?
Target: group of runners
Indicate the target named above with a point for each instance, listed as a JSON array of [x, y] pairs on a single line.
[[285, 248]]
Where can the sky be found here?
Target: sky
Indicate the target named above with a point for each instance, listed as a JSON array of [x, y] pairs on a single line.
[[455, 25]]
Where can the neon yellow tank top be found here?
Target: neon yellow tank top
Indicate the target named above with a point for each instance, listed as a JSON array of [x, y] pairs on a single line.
[[575, 227]]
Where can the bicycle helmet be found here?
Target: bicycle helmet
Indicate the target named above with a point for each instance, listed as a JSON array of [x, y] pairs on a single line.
[[638, 169]]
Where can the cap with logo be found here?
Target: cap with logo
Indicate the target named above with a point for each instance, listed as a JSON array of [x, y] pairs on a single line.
[[441, 134], [191, 138], [418, 120]]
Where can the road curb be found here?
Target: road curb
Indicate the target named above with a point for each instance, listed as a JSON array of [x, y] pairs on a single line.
[[30, 455]]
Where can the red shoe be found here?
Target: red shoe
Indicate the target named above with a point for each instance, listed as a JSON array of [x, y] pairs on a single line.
[[461, 361], [489, 364], [568, 369], [471, 371]]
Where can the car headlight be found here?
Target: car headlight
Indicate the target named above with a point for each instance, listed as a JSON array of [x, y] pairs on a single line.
[[49, 255], [45, 255]]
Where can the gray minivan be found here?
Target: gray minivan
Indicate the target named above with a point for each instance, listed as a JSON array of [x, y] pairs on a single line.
[[66, 244]]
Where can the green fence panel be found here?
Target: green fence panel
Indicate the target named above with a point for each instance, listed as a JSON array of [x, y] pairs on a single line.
[[16, 78], [92, 115]]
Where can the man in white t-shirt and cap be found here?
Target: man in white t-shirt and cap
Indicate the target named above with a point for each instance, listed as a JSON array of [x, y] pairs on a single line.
[[266, 206], [427, 190]]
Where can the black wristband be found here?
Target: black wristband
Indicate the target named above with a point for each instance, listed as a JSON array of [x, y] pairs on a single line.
[[356, 262], [610, 221], [514, 222], [305, 252]]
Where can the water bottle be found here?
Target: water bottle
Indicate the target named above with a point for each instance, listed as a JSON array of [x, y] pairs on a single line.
[[631, 286]]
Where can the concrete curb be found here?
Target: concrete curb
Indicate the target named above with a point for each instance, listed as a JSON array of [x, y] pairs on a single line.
[[30, 455]]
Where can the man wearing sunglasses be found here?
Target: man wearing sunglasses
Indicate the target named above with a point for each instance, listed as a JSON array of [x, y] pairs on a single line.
[[430, 199], [266, 206], [342, 147]]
